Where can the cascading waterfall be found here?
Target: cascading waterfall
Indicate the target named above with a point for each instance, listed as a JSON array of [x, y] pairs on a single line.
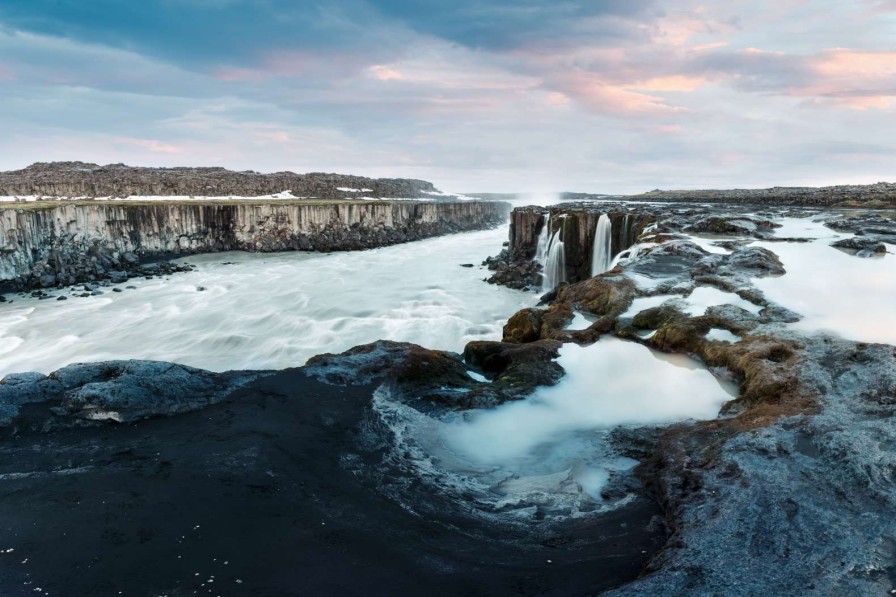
[[602, 255], [544, 240], [555, 263], [626, 231]]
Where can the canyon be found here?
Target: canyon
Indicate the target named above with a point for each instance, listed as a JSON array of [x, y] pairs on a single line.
[[675, 399], [51, 244]]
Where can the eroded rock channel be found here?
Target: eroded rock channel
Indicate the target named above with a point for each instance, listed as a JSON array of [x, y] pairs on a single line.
[[672, 417]]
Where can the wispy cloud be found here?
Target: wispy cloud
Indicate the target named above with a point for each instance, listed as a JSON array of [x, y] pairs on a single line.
[[612, 95]]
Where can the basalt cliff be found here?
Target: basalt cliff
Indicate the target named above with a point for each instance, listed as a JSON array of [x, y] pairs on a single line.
[[50, 244]]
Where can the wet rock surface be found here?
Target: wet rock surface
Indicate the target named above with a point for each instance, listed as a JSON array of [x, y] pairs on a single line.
[[436, 380], [861, 246], [119, 391]]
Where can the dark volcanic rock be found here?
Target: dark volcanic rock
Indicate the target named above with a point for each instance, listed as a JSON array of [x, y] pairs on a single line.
[[785, 496], [516, 369], [735, 225], [414, 369], [523, 326], [861, 246], [120, 391]]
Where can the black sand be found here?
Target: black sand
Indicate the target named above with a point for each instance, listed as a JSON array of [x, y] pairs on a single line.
[[253, 497]]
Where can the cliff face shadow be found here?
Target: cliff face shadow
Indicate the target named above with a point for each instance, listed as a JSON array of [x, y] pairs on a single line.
[[267, 494]]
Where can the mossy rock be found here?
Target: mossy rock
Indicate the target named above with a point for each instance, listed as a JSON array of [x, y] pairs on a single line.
[[523, 326]]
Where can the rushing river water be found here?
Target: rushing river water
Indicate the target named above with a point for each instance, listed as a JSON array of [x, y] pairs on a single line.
[[271, 311]]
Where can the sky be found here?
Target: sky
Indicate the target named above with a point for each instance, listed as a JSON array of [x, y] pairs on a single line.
[[613, 96]]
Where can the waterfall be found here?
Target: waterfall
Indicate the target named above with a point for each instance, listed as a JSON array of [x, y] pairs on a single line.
[[555, 264], [550, 253], [544, 240], [602, 255], [626, 232]]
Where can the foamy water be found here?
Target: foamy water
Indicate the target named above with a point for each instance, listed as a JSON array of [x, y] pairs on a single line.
[[550, 452], [834, 291], [272, 311]]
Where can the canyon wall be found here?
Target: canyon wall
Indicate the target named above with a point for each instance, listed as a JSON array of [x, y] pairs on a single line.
[[48, 246]]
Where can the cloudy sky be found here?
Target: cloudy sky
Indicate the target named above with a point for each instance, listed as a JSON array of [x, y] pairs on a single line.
[[516, 95]]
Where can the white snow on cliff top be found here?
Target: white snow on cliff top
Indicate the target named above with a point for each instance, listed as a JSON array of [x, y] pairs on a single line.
[[430, 196], [27, 198]]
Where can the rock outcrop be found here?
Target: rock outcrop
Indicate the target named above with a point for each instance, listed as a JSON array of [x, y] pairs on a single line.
[[79, 179], [576, 225], [44, 246], [116, 391], [791, 490]]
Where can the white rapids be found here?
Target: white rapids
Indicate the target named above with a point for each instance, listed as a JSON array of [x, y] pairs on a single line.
[[270, 311]]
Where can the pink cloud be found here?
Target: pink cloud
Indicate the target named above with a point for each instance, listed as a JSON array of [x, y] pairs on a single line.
[[710, 46], [557, 99], [155, 146], [668, 129], [278, 136], [677, 30], [853, 79], [384, 73], [841, 62], [670, 83], [599, 96]]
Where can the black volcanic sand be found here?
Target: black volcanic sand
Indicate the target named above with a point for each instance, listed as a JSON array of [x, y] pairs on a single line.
[[253, 496]]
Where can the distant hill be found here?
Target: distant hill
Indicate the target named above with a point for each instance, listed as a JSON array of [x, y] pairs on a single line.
[[80, 179], [882, 194]]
